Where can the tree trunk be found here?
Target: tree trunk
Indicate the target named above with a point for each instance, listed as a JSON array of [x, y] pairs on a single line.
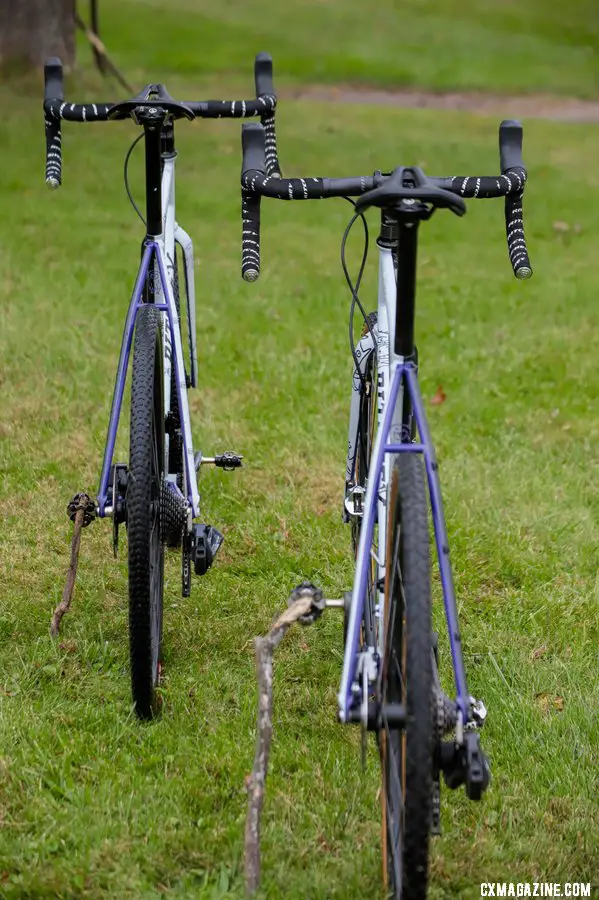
[[33, 30]]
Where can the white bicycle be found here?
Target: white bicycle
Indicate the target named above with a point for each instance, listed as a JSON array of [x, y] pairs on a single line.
[[156, 494]]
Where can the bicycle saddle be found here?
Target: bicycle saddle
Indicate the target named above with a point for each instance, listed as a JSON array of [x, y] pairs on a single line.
[[410, 184], [153, 95]]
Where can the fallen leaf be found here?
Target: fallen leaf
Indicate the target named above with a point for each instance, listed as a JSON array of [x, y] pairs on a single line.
[[439, 397], [546, 702], [543, 702]]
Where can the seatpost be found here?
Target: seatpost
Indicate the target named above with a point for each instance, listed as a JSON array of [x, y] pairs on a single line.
[[405, 229], [152, 118], [167, 140]]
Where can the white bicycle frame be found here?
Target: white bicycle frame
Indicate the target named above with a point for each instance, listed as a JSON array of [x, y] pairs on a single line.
[[158, 266]]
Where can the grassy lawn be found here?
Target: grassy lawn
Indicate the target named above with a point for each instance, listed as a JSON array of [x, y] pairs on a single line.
[[94, 805], [496, 45]]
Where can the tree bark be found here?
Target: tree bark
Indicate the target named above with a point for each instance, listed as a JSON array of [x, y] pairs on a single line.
[[33, 30]]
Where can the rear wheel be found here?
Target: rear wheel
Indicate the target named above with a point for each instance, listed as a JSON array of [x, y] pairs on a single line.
[[407, 753], [146, 472]]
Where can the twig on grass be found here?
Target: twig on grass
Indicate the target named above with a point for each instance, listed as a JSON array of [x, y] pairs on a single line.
[[103, 60], [81, 510], [265, 648]]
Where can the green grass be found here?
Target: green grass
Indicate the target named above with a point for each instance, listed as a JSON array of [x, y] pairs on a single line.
[[94, 805], [496, 45]]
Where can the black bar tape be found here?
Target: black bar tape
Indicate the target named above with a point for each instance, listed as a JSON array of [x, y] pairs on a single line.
[[516, 241], [486, 187], [304, 188], [511, 186], [283, 188], [207, 109], [265, 87], [53, 153], [250, 235], [53, 90], [273, 166], [77, 112], [253, 160], [512, 166], [233, 109]]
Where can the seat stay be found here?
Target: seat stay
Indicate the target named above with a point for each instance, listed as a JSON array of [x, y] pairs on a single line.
[[404, 375], [121, 377], [186, 244], [441, 541], [153, 256]]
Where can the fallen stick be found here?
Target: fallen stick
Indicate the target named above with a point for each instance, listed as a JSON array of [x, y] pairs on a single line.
[[82, 510], [101, 54], [306, 604]]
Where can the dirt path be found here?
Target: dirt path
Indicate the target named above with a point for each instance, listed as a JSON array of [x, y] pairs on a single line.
[[524, 106]]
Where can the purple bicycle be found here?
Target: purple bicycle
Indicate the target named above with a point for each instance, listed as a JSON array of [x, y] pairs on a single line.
[[390, 679], [156, 494]]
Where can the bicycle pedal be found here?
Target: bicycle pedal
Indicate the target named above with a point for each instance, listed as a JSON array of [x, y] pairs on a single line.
[[354, 501], [226, 461], [206, 541], [84, 502], [308, 590]]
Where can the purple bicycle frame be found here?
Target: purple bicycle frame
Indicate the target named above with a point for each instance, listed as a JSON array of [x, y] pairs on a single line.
[[150, 255], [405, 374]]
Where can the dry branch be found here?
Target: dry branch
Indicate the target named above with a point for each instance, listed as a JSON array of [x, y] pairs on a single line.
[[265, 648], [83, 502], [101, 54]]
